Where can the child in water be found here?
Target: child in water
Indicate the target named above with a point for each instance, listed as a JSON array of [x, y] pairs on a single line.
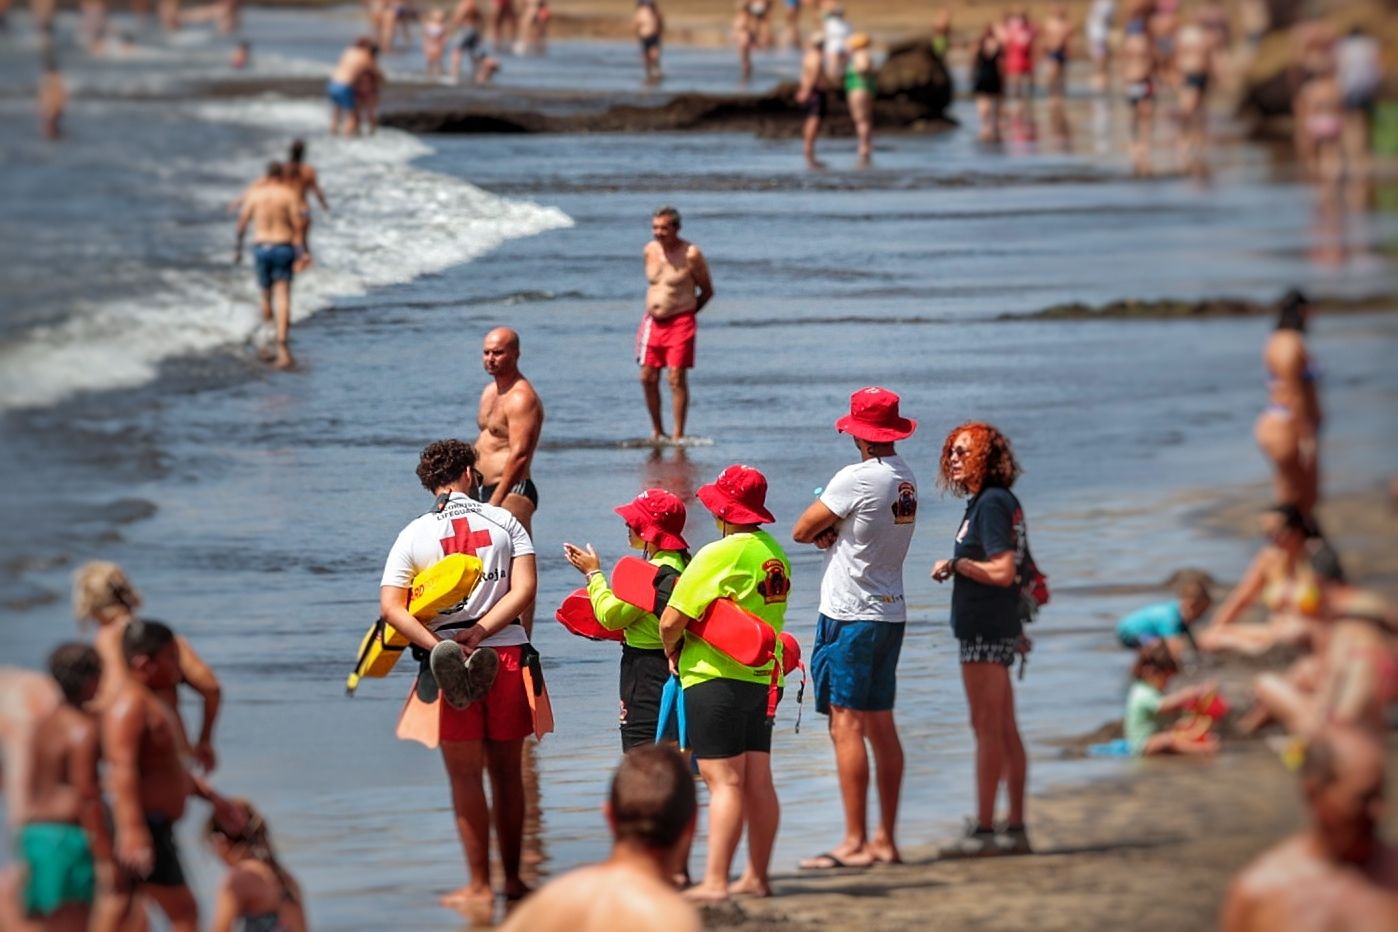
[[257, 890], [1168, 621], [1147, 705]]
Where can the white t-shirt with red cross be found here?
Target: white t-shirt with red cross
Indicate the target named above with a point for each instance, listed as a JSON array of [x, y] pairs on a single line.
[[488, 532]]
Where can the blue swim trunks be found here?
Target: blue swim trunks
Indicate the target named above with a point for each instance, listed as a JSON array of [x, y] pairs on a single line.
[[274, 263], [855, 664], [341, 95]]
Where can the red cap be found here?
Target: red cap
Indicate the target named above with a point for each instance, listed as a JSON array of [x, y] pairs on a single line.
[[738, 496], [873, 416], [657, 517]]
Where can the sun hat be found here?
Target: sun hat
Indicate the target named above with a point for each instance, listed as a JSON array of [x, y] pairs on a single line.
[[738, 496], [858, 41], [657, 517], [873, 416]]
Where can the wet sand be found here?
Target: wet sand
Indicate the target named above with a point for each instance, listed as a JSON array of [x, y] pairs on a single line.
[[1152, 848]]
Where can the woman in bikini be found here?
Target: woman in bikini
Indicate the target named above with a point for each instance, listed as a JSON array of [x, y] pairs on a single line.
[[1288, 430], [1281, 578]]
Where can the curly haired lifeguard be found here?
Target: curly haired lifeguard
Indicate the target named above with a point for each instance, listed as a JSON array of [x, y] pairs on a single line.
[[990, 463]]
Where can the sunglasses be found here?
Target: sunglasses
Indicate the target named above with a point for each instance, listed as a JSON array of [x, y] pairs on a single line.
[[959, 452]]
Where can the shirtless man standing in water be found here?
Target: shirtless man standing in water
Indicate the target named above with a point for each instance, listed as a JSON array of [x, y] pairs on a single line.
[[1139, 74], [510, 418], [274, 211], [678, 288]]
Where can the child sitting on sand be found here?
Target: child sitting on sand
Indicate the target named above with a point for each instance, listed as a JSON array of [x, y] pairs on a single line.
[[257, 890], [1147, 705], [1168, 621]]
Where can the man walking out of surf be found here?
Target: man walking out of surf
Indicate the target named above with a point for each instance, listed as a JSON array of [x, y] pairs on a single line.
[[863, 520], [678, 288], [478, 709], [274, 211]]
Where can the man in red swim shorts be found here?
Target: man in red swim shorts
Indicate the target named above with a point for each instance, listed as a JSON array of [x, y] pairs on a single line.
[[679, 287]]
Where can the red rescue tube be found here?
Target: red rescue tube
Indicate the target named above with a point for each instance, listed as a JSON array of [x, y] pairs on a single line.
[[737, 632], [634, 580], [576, 615], [791, 653]]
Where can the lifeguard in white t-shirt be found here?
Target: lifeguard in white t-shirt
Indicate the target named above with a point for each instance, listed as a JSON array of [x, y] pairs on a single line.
[[476, 708]]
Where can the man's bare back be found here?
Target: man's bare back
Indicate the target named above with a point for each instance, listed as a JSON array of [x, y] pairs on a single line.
[[646, 21], [605, 898], [673, 275], [66, 749], [1294, 887], [275, 211], [354, 62]]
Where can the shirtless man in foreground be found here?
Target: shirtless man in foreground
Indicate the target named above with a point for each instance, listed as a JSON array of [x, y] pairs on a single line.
[[1337, 874], [651, 812], [275, 214], [510, 419], [150, 784], [678, 288]]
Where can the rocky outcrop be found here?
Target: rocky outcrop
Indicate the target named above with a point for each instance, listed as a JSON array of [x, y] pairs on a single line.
[[915, 90]]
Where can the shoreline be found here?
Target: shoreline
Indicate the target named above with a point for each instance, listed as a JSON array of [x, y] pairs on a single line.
[[1151, 845]]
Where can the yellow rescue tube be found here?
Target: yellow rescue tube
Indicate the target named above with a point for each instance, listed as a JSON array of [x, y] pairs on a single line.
[[442, 585]]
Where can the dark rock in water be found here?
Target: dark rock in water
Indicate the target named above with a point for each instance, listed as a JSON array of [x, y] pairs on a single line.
[[1207, 308], [915, 90], [1269, 97]]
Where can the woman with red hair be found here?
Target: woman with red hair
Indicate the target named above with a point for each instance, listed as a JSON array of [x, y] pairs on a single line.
[[978, 464]]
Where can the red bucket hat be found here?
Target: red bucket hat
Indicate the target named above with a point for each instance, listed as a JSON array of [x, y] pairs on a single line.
[[873, 416], [657, 517], [738, 496]]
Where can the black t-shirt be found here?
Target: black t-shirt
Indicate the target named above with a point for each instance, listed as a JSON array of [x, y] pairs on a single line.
[[994, 523]]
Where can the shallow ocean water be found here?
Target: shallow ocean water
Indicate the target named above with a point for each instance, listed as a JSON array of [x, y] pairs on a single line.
[[254, 509]]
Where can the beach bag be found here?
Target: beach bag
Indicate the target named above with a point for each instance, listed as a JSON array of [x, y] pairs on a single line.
[[1033, 587]]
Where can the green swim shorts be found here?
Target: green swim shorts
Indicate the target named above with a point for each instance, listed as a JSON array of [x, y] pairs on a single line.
[[59, 867]]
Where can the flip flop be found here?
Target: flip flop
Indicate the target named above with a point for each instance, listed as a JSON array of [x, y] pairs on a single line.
[[831, 862], [481, 669], [448, 665]]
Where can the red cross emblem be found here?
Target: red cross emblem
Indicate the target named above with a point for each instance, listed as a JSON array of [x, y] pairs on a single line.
[[463, 539]]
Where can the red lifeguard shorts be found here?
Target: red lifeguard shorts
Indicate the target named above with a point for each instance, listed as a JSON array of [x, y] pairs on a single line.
[[504, 713], [668, 343]]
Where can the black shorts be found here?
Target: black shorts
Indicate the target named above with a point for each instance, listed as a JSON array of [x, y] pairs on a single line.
[[727, 718], [989, 650], [166, 870], [817, 105], [482, 493], [643, 677]]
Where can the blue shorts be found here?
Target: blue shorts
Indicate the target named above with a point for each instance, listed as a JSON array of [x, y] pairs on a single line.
[[274, 263], [855, 664], [341, 95]]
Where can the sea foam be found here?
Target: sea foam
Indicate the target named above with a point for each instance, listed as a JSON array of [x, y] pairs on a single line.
[[389, 222]]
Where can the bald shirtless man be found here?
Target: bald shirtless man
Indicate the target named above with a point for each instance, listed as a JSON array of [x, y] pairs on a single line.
[[275, 214], [510, 418], [651, 810], [1337, 874], [678, 287]]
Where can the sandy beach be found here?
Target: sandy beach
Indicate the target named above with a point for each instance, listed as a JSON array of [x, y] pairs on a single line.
[[1153, 848]]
